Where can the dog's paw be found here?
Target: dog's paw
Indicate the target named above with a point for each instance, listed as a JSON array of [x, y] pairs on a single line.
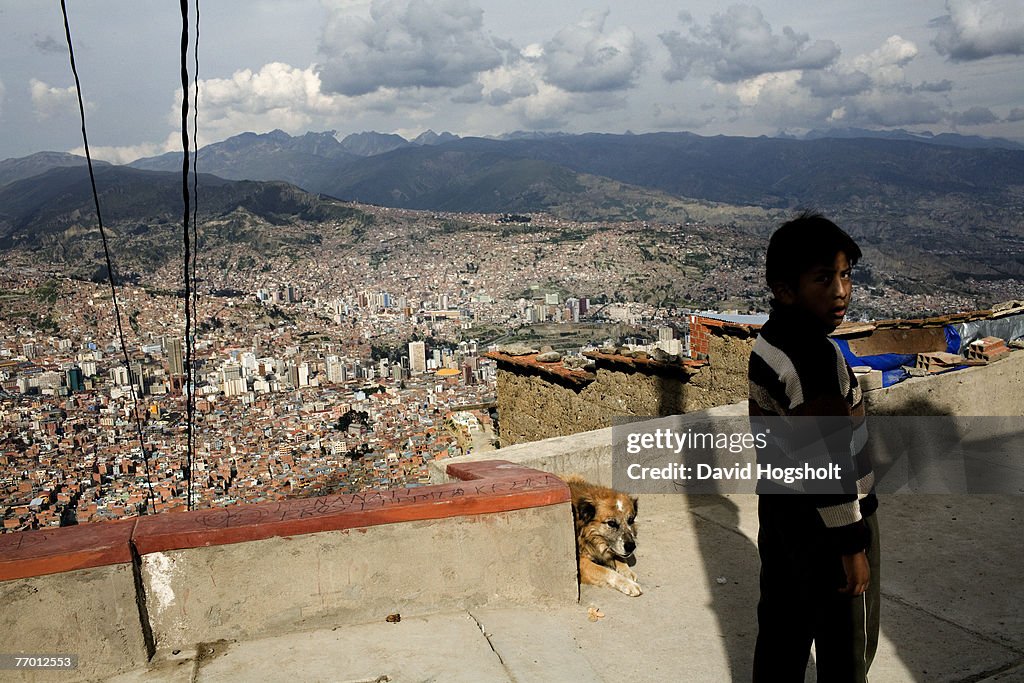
[[628, 586]]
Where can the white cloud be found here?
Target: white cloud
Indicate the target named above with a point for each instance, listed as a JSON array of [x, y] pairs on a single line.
[[881, 68], [768, 86], [519, 89], [48, 100], [885, 64], [583, 57], [740, 44], [976, 29], [404, 43], [868, 90], [276, 87], [515, 80], [128, 153], [283, 96]]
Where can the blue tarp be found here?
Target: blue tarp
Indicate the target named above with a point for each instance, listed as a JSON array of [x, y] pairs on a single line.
[[891, 364], [952, 339]]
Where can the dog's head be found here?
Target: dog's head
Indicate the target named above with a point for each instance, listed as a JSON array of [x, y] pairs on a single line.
[[608, 524]]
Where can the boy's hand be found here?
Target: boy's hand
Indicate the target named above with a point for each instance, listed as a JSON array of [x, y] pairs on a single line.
[[857, 574]]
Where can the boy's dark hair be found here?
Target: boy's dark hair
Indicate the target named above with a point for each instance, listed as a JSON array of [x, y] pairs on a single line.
[[802, 243]]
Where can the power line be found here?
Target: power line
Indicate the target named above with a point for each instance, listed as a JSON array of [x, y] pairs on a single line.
[[195, 219], [106, 254], [188, 269]]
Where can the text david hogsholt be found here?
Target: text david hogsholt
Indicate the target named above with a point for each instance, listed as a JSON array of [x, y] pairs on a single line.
[[670, 440]]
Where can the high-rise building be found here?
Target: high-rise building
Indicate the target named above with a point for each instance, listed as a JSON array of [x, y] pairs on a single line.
[[417, 357], [75, 379], [336, 371], [119, 375], [175, 362]]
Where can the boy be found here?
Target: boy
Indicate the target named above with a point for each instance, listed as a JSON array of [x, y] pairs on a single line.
[[819, 552]]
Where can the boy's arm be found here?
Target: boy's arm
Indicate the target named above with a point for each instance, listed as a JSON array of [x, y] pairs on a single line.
[[840, 512]]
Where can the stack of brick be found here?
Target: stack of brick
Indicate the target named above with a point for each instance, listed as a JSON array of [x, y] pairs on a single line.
[[987, 349], [938, 361]]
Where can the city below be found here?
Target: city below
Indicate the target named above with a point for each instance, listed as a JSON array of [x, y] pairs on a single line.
[[337, 366]]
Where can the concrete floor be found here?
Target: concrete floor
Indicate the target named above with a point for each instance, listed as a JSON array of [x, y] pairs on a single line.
[[951, 611]]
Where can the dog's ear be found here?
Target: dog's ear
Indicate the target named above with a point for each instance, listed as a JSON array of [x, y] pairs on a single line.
[[585, 510]]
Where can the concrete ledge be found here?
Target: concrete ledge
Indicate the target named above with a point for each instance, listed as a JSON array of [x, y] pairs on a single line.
[[50, 551], [115, 592], [509, 487]]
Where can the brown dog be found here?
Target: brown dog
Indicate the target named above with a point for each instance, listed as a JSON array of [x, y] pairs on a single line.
[[605, 535]]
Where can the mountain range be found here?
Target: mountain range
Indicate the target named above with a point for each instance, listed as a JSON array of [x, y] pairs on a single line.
[[518, 172], [885, 189]]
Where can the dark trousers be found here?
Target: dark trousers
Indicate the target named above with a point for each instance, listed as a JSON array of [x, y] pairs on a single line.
[[801, 603]]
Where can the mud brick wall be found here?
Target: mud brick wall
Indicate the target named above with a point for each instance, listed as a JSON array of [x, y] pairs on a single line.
[[537, 401]]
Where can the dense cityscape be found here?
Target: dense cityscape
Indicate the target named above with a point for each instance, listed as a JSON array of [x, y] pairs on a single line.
[[348, 366]]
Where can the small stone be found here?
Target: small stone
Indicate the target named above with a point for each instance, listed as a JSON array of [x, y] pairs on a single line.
[[393, 618], [660, 355], [721, 580], [518, 349], [549, 357], [546, 348]]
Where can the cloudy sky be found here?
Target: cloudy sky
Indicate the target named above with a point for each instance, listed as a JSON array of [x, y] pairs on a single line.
[[485, 67]]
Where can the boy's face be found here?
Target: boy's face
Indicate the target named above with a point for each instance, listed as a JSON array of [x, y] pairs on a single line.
[[824, 291]]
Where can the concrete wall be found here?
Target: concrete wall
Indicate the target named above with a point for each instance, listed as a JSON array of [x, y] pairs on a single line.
[[994, 389], [352, 576], [587, 454], [91, 613]]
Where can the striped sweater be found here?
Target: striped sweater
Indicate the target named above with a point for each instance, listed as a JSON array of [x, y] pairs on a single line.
[[796, 370]]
